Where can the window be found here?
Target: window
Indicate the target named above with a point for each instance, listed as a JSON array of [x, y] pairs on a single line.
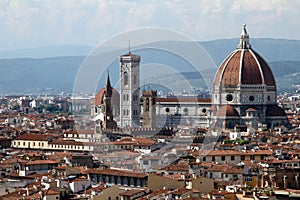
[[146, 162], [167, 110], [251, 98], [147, 104], [213, 158], [232, 157], [295, 165], [125, 78], [242, 157], [252, 157], [248, 178], [23, 143], [134, 79], [229, 97], [223, 158], [186, 111]]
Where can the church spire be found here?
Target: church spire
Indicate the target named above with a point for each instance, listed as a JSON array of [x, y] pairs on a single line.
[[244, 40], [108, 87]]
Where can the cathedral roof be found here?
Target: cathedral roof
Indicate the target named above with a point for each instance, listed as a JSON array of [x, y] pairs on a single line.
[[184, 99], [251, 109], [101, 93], [244, 66], [274, 111], [227, 111]]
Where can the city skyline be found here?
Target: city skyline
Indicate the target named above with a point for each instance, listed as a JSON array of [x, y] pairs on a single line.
[[29, 24]]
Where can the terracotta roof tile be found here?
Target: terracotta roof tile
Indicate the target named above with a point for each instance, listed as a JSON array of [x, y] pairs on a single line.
[[117, 173]]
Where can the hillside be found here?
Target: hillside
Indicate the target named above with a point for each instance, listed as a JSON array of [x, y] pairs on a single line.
[[35, 75]]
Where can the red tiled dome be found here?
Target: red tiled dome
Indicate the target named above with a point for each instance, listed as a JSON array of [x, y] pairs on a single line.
[[100, 95], [227, 111], [275, 110], [251, 109], [244, 66]]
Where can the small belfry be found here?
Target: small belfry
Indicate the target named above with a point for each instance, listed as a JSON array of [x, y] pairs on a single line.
[[149, 108]]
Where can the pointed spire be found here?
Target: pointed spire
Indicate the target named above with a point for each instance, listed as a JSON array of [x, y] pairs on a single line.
[[244, 40], [108, 87]]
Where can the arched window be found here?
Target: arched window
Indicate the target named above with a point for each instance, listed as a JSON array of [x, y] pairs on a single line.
[[134, 79], [125, 78], [186, 111], [147, 104]]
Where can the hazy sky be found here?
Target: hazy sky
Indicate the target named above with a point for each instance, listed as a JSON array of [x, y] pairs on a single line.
[[31, 23]]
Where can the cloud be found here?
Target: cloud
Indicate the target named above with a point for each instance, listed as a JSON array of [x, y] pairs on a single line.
[[32, 23]]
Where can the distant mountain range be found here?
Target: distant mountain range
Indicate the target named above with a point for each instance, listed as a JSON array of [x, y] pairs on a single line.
[[47, 51], [54, 68]]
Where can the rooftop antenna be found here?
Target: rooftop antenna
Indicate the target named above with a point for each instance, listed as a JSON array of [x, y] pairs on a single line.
[[129, 46]]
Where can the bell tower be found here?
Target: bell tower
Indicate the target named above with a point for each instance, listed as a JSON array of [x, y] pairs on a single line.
[[129, 90], [149, 108]]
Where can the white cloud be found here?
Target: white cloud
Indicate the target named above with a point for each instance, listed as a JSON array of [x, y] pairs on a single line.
[[35, 23]]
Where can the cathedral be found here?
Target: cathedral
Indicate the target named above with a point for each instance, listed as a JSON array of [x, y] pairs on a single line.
[[244, 93], [244, 90]]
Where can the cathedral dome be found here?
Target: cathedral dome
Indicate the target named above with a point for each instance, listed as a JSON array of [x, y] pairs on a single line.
[[227, 111], [244, 67], [100, 96], [275, 110]]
